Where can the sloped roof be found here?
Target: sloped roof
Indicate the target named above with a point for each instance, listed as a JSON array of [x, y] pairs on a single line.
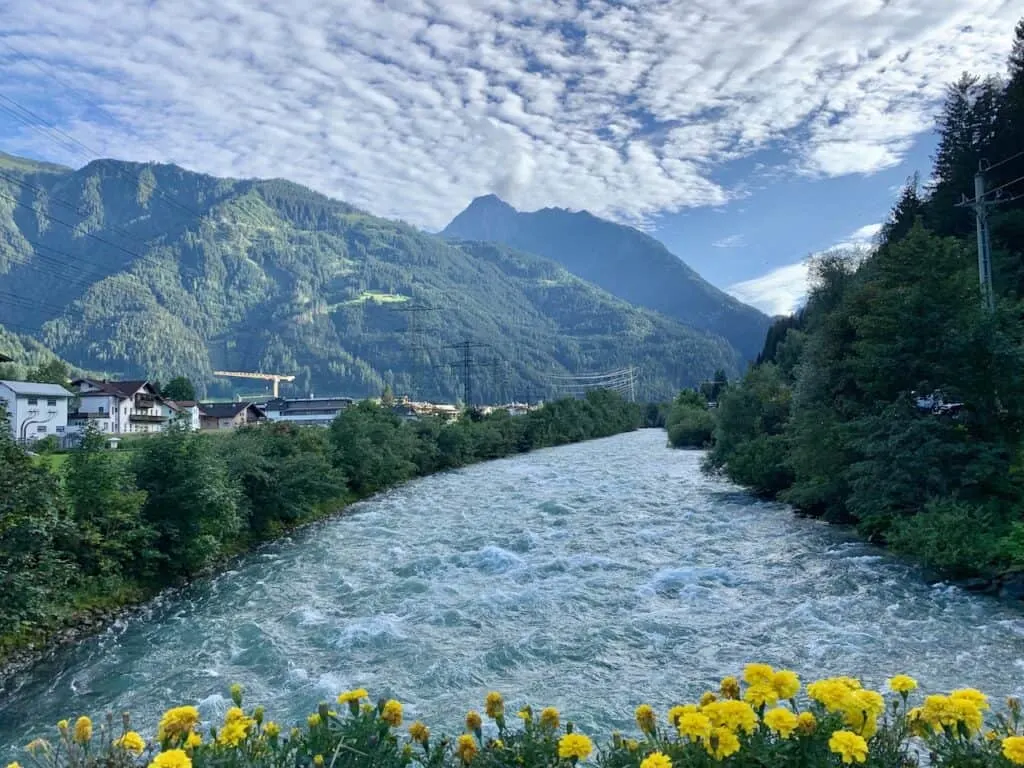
[[226, 410], [34, 388], [118, 388]]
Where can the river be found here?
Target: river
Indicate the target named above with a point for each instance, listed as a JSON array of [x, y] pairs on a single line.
[[592, 577]]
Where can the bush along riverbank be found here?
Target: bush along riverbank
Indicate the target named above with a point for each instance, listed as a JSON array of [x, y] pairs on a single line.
[[112, 528], [765, 721], [893, 401]]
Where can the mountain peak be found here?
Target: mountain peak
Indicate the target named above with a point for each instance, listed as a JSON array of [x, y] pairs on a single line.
[[488, 215]]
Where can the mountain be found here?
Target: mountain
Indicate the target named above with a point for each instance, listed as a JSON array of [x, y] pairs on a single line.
[[622, 260], [152, 270]]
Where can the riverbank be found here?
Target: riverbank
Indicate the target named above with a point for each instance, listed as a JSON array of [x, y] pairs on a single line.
[[185, 505]]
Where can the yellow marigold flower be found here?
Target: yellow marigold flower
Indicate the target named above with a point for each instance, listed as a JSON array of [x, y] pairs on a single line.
[[902, 684], [758, 674], [83, 729], [1013, 749], [731, 714], [678, 711], [979, 699], [497, 744], [656, 760], [729, 688], [632, 745], [549, 718], [806, 722], [851, 747], [760, 695], [991, 735], [694, 726], [832, 693], [968, 713], [392, 714], [707, 697], [574, 746], [318, 761], [722, 743], [172, 758], [525, 714], [419, 732], [177, 722], [233, 733], [14, 765], [782, 721], [861, 709], [786, 683], [466, 748], [234, 715], [354, 695], [313, 720], [495, 705], [193, 740], [272, 729], [236, 694], [131, 742], [645, 718], [473, 721], [62, 725]]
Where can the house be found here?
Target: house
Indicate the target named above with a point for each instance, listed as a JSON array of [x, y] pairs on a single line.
[[188, 411], [35, 410], [312, 410], [118, 407], [228, 415]]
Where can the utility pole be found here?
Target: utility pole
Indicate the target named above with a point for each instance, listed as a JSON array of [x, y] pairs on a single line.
[[984, 243]]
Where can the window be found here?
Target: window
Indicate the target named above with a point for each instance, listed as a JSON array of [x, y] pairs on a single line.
[[51, 403], [60, 430], [33, 401], [41, 428], [101, 409]]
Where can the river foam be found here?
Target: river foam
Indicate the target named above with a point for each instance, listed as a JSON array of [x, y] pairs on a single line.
[[591, 577]]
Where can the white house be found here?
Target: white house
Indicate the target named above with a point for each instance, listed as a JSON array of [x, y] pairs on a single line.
[[188, 411], [118, 407], [35, 410]]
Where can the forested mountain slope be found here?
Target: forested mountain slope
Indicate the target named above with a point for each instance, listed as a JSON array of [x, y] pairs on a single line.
[[622, 260], [142, 269]]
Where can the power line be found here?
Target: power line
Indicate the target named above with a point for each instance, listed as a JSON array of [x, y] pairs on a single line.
[[1003, 161]]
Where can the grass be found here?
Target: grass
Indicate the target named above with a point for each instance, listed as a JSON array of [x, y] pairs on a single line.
[[378, 297], [54, 461]]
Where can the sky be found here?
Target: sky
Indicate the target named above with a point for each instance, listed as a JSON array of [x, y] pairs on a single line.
[[745, 134]]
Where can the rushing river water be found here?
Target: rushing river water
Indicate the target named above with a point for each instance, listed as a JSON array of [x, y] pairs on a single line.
[[592, 577]]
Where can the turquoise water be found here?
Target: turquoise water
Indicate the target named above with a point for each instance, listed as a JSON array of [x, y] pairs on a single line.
[[591, 577]]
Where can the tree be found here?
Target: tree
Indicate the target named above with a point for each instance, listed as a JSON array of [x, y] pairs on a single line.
[[32, 569], [111, 538], [53, 372], [387, 398], [190, 500], [179, 388]]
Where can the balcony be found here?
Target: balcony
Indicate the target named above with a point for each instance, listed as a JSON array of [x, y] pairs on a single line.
[[145, 418], [143, 402]]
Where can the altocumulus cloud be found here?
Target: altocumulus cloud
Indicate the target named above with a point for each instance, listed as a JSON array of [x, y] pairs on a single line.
[[411, 107]]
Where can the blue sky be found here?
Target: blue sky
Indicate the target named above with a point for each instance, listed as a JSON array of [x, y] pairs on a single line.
[[746, 134]]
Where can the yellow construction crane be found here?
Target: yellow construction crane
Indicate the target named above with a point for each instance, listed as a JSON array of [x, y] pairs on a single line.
[[277, 378]]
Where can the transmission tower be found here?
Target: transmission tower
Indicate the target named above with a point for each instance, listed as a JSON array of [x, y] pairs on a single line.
[[467, 363], [415, 336]]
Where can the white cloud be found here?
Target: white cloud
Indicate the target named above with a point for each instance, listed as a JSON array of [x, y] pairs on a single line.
[[409, 108], [782, 290], [732, 241], [778, 292]]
